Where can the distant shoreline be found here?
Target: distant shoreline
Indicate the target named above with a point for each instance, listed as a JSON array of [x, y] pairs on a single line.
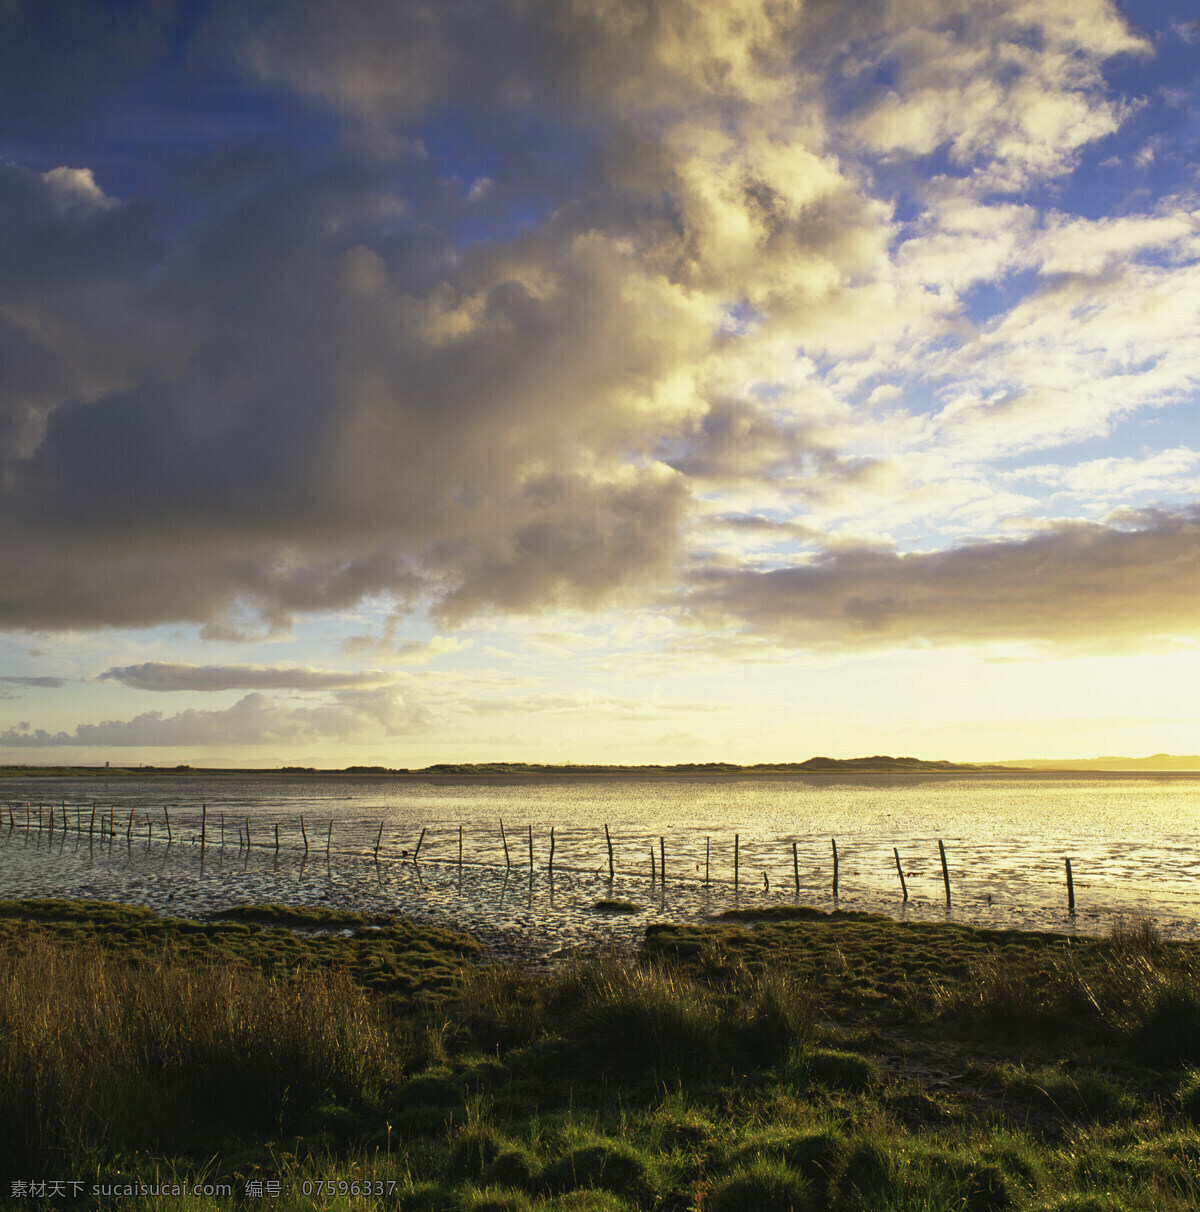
[[516, 771]]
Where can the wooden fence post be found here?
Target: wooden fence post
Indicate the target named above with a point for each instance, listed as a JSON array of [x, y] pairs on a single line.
[[530, 851], [129, 830], [378, 839], [796, 868], [735, 861], [835, 868], [706, 858], [504, 839], [203, 825], [900, 873], [653, 869], [167, 815], [276, 839], [419, 841], [329, 837], [92, 824], [608, 842], [551, 852], [662, 854], [247, 833], [1070, 891], [945, 871], [304, 835], [460, 852]]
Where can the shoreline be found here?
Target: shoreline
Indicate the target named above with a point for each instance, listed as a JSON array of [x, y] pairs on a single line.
[[651, 773]]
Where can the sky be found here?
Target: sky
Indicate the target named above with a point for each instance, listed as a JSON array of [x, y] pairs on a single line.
[[409, 381]]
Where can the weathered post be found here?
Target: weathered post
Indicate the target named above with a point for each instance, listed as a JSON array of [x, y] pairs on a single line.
[[276, 839], [92, 824], [304, 835], [378, 839], [328, 838], [247, 833], [796, 868], [222, 831], [419, 841], [51, 820], [149, 829], [167, 816], [551, 866], [504, 839], [900, 873], [531, 852], [706, 858], [608, 843], [129, 830], [662, 854], [460, 852], [653, 869], [835, 868], [945, 871], [203, 825], [735, 861], [1070, 891]]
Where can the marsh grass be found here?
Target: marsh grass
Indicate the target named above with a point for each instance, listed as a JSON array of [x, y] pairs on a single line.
[[777, 1063], [93, 1049]]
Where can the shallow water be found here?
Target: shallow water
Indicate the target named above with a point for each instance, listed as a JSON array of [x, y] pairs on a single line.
[[1132, 839]]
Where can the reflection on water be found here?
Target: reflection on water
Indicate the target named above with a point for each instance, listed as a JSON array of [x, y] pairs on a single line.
[[1132, 841]]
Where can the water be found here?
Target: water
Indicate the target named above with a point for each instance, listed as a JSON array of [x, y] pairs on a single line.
[[1132, 840]]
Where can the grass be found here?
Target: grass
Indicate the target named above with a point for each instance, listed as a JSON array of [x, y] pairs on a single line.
[[803, 1061]]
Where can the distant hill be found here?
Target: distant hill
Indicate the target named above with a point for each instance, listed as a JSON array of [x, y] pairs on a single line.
[[879, 764], [1157, 761]]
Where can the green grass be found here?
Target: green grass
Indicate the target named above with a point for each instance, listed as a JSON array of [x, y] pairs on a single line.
[[799, 1061]]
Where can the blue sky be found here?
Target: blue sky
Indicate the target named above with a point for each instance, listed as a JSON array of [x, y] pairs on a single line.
[[399, 382]]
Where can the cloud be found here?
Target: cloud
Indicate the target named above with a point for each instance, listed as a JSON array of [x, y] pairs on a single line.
[[354, 715], [1012, 91], [157, 675], [44, 682], [337, 367], [1166, 471], [1075, 585]]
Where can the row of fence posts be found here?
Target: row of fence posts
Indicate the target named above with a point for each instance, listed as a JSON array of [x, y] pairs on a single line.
[[658, 870]]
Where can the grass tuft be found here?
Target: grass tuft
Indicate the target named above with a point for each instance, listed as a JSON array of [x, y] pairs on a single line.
[[1168, 1029], [611, 1165], [765, 1185]]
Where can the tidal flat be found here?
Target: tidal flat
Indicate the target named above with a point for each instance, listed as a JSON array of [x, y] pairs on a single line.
[[781, 1059]]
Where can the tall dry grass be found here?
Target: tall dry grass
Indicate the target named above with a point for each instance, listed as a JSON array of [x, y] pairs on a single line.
[[99, 1053]]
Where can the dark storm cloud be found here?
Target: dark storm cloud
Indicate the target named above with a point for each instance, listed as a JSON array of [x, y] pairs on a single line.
[[320, 429], [1077, 584], [160, 675]]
